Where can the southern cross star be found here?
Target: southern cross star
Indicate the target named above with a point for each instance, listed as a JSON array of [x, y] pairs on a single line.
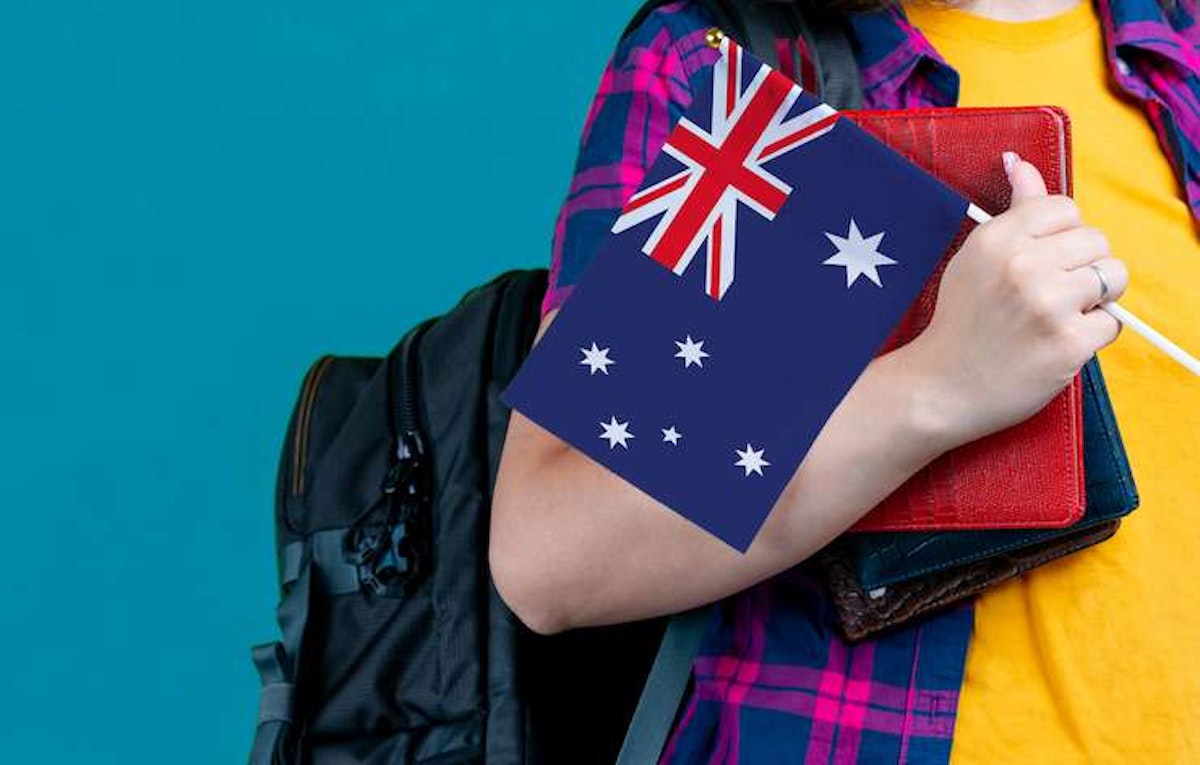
[[859, 256], [691, 352], [671, 435], [596, 359], [751, 459], [616, 433]]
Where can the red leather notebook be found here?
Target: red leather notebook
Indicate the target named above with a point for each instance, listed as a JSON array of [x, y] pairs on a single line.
[[1030, 475]]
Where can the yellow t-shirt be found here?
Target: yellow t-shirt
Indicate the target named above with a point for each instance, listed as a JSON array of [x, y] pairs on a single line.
[[1096, 658]]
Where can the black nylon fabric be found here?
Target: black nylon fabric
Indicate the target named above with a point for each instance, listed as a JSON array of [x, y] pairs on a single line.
[[398, 678], [428, 673]]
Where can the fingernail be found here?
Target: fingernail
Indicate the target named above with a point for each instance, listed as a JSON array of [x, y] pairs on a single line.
[[1010, 159]]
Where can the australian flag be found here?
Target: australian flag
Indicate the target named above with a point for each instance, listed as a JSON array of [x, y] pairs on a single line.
[[770, 251]]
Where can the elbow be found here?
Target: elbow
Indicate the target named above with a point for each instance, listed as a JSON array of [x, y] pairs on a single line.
[[524, 584], [523, 571], [536, 562]]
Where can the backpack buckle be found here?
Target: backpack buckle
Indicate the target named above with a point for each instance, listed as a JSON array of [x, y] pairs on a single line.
[[388, 560]]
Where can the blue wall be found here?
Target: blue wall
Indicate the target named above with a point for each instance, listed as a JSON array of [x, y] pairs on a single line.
[[196, 199]]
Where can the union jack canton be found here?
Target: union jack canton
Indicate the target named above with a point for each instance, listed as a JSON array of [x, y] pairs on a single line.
[[724, 167]]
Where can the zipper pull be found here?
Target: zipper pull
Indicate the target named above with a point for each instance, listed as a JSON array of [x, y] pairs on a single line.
[[410, 447], [396, 475], [409, 456]]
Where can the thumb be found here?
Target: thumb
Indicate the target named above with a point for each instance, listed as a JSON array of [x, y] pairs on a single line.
[[1025, 179]]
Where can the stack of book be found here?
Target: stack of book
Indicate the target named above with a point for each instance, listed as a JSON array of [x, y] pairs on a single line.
[[994, 508]]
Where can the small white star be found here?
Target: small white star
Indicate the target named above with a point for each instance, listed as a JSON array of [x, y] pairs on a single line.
[[691, 352], [859, 256], [596, 359], [751, 460], [616, 433], [671, 436]]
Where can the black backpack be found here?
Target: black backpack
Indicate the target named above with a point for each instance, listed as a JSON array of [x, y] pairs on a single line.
[[395, 645]]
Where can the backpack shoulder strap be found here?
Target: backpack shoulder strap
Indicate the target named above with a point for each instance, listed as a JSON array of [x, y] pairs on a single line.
[[837, 69], [665, 686], [823, 32], [756, 24]]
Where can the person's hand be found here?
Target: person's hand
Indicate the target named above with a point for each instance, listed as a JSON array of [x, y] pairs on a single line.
[[1016, 312]]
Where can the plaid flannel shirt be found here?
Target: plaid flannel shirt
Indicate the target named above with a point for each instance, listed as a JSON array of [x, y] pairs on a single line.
[[774, 682]]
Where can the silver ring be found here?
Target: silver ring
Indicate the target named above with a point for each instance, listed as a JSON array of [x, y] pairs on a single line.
[[1103, 282]]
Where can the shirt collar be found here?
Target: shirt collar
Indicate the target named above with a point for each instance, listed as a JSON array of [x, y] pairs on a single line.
[[893, 55], [900, 67], [1144, 25]]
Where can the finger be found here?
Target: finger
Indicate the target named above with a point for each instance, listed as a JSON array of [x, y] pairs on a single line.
[[1099, 328], [1025, 179], [1042, 216], [1073, 248], [1087, 287]]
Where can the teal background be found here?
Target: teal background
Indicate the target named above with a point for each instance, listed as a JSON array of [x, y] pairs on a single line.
[[196, 200]]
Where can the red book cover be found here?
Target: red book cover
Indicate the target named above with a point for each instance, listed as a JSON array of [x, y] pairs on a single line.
[[1029, 475]]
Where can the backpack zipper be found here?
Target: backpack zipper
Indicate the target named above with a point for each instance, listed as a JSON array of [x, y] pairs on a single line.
[[308, 397], [393, 556], [406, 412]]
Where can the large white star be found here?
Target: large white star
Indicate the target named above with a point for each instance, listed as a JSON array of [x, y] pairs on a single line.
[[616, 433], [859, 256], [691, 352], [751, 459], [596, 359], [671, 435]]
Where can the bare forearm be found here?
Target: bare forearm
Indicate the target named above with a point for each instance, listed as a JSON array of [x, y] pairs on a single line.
[[1016, 318], [574, 545]]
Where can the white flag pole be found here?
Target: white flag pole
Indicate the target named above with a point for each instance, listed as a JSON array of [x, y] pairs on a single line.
[[1153, 336]]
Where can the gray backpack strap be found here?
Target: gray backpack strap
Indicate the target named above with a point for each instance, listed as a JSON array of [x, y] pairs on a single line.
[[823, 31], [763, 22], [278, 663], [665, 686], [319, 561], [837, 68]]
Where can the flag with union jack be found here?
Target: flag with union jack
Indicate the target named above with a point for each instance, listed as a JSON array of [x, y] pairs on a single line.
[[704, 380]]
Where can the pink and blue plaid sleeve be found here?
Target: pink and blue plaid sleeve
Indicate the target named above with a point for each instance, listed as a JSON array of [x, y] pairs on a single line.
[[644, 89], [775, 682]]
